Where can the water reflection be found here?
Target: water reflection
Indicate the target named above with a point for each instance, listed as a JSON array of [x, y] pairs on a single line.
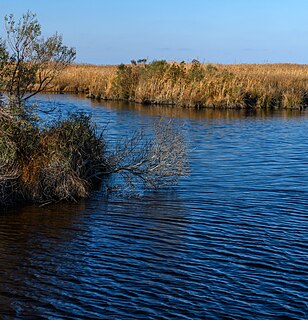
[[171, 111], [62, 251], [35, 243], [190, 113], [162, 219]]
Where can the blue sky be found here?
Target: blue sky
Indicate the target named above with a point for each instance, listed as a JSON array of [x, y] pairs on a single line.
[[222, 31]]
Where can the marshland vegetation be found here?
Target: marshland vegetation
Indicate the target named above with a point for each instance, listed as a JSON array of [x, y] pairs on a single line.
[[66, 159], [193, 85]]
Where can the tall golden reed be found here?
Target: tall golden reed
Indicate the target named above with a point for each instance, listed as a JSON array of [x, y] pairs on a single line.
[[192, 84]]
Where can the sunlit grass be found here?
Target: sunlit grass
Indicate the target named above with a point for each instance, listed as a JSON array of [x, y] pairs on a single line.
[[192, 84]]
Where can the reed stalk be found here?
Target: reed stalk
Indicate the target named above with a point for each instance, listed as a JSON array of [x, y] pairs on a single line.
[[192, 85]]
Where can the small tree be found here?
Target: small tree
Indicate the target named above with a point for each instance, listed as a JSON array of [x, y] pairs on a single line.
[[29, 62]]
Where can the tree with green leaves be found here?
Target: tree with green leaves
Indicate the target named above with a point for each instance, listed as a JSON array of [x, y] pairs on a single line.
[[28, 61]]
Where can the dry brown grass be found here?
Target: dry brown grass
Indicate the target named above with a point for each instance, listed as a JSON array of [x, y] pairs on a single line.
[[46, 165], [85, 78], [193, 84]]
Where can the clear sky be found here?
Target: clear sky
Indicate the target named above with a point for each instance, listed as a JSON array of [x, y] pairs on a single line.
[[223, 31]]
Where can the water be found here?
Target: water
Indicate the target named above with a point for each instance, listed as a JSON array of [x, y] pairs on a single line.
[[229, 242]]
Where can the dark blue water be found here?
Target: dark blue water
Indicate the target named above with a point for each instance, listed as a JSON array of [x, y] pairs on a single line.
[[229, 242]]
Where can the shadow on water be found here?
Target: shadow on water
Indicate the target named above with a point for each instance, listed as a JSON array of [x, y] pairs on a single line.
[[173, 111], [86, 254], [197, 114]]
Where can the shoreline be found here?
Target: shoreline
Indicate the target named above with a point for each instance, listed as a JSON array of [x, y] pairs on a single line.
[[191, 85]]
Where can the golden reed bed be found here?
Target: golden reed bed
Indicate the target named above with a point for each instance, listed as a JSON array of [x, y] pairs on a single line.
[[192, 84]]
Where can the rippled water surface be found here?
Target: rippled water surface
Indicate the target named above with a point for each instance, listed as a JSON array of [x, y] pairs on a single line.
[[229, 242]]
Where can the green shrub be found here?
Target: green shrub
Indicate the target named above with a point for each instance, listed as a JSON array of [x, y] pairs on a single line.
[[196, 72]]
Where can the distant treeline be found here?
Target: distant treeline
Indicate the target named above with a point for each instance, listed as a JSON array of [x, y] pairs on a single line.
[[192, 85]]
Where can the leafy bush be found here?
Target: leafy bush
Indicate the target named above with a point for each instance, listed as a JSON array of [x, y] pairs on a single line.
[[125, 82], [196, 72]]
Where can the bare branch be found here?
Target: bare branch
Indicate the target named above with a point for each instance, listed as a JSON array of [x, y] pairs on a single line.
[[31, 62], [154, 162]]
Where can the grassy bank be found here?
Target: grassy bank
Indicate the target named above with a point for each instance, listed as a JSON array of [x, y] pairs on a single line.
[[69, 158], [192, 85]]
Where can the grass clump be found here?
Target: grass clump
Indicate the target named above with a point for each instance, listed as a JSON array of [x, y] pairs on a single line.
[[59, 162]]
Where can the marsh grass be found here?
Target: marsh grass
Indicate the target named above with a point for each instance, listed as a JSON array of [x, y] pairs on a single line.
[[59, 162], [192, 85], [69, 158]]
